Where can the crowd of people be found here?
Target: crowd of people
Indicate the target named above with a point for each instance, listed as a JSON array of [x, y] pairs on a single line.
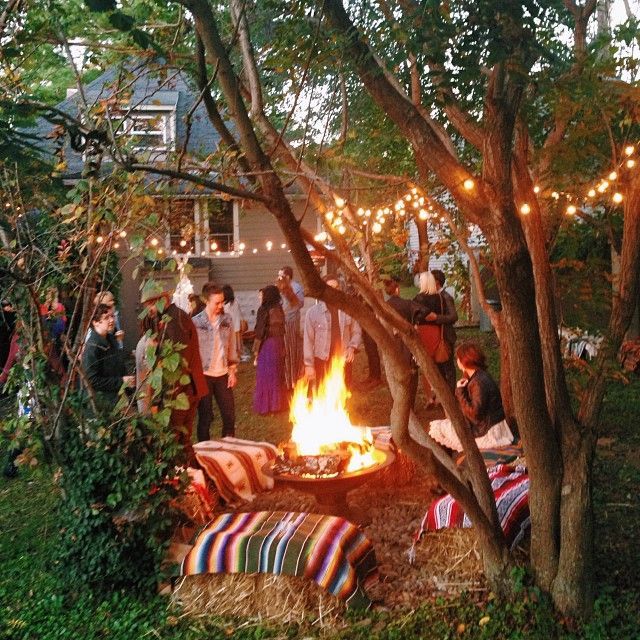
[[284, 349]]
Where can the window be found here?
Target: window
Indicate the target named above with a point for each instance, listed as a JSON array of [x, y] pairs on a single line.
[[202, 226], [149, 129]]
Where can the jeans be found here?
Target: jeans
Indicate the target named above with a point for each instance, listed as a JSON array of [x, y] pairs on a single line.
[[219, 390]]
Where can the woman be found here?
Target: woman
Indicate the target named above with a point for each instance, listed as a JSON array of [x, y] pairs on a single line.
[[195, 304], [232, 307], [479, 398], [102, 359], [269, 395], [430, 334]]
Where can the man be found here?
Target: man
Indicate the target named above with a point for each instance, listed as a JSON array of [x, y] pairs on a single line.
[[219, 353], [329, 332], [447, 319], [176, 325], [292, 301], [411, 312]]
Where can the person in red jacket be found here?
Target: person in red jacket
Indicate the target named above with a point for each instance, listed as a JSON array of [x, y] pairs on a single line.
[[177, 326]]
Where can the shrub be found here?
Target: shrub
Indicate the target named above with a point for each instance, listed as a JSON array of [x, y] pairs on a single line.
[[117, 481]]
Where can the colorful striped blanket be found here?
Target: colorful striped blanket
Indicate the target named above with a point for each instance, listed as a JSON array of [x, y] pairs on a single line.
[[511, 490], [235, 466], [329, 550]]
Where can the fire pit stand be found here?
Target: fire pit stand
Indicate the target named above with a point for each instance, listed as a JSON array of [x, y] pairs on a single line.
[[331, 493]]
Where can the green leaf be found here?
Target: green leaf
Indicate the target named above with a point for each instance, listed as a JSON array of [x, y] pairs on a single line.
[[172, 362], [101, 5], [121, 21], [181, 402], [141, 38]]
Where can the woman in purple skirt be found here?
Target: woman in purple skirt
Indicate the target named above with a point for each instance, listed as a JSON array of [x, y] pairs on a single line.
[[270, 395]]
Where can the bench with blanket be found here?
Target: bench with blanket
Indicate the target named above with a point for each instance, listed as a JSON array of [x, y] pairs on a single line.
[[331, 551], [511, 491]]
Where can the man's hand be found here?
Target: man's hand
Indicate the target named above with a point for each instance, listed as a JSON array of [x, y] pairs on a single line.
[[232, 379], [462, 382], [349, 354], [310, 373]]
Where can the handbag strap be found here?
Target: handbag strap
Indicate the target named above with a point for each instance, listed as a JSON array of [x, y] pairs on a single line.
[[442, 313]]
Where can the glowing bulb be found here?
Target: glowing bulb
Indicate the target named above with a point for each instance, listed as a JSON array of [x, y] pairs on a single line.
[[407, 197], [631, 164], [339, 202], [337, 222], [242, 246], [123, 234], [269, 245], [255, 251], [214, 246], [423, 215], [536, 189], [571, 209], [555, 195], [116, 245], [99, 239], [367, 213], [321, 237], [217, 253], [377, 227], [360, 211], [617, 198], [468, 184], [414, 191], [399, 205], [329, 215], [160, 251], [342, 229], [154, 242], [591, 193], [525, 209], [202, 253], [613, 175], [602, 187], [629, 150], [284, 246], [183, 243]]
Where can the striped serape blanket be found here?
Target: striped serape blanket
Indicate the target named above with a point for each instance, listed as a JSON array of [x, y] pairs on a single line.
[[498, 455], [329, 550], [235, 466], [511, 490]]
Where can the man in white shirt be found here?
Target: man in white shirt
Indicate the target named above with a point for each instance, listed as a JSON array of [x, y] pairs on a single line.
[[219, 354]]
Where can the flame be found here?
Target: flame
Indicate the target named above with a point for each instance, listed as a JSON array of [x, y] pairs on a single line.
[[321, 424]]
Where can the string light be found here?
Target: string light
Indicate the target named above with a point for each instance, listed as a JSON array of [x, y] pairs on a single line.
[[591, 193], [154, 242], [617, 197], [525, 209], [339, 202], [571, 209], [630, 164], [536, 189], [99, 239], [123, 234], [468, 184], [613, 175], [269, 245], [628, 150]]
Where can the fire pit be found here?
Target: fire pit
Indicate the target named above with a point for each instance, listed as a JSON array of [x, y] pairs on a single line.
[[326, 455], [331, 492]]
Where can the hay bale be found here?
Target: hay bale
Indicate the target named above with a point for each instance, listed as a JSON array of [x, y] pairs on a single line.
[[453, 560], [269, 598]]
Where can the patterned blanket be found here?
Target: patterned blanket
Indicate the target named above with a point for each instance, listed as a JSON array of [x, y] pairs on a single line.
[[235, 466], [329, 550], [511, 490]]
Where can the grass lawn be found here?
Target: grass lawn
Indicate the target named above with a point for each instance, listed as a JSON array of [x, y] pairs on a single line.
[[33, 605]]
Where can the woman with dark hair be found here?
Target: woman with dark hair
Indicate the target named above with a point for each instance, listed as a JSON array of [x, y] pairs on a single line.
[[479, 398], [102, 359], [269, 395]]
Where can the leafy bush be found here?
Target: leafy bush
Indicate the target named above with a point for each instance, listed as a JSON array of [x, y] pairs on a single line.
[[118, 481]]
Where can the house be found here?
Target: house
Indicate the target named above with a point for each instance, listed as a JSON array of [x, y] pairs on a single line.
[[227, 240]]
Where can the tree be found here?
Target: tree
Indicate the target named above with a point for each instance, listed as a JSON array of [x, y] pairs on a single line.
[[482, 95]]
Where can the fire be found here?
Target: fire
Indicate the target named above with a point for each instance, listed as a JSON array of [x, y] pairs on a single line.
[[322, 424]]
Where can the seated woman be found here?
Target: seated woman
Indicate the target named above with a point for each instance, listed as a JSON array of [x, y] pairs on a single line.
[[102, 359], [479, 398]]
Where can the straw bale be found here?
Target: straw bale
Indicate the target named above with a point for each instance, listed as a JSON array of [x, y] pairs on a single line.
[[453, 560], [268, 598]]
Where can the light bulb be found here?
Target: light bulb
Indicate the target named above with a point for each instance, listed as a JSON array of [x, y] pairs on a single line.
[[536, 189], [525, 209], [571, 209], [617, 197], [468, 184], [629, 150], [630, 164], [591, 193], [613, 175]]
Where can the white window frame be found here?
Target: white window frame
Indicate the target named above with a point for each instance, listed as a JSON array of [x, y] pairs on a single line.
[[201, 245], [167, 117]]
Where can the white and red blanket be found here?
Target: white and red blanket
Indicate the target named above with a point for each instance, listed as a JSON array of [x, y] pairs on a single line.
[[511, 490]]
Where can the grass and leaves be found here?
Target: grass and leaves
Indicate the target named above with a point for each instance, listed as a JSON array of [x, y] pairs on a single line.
[[36, 604]]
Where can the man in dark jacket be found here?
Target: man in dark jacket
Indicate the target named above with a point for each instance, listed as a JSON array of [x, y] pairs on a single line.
[[447, 319], [177, 326]]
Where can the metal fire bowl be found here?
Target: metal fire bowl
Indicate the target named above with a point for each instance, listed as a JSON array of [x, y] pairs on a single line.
[[331, 493]]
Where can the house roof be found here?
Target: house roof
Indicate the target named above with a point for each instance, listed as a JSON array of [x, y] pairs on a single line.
[[141, 84]]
